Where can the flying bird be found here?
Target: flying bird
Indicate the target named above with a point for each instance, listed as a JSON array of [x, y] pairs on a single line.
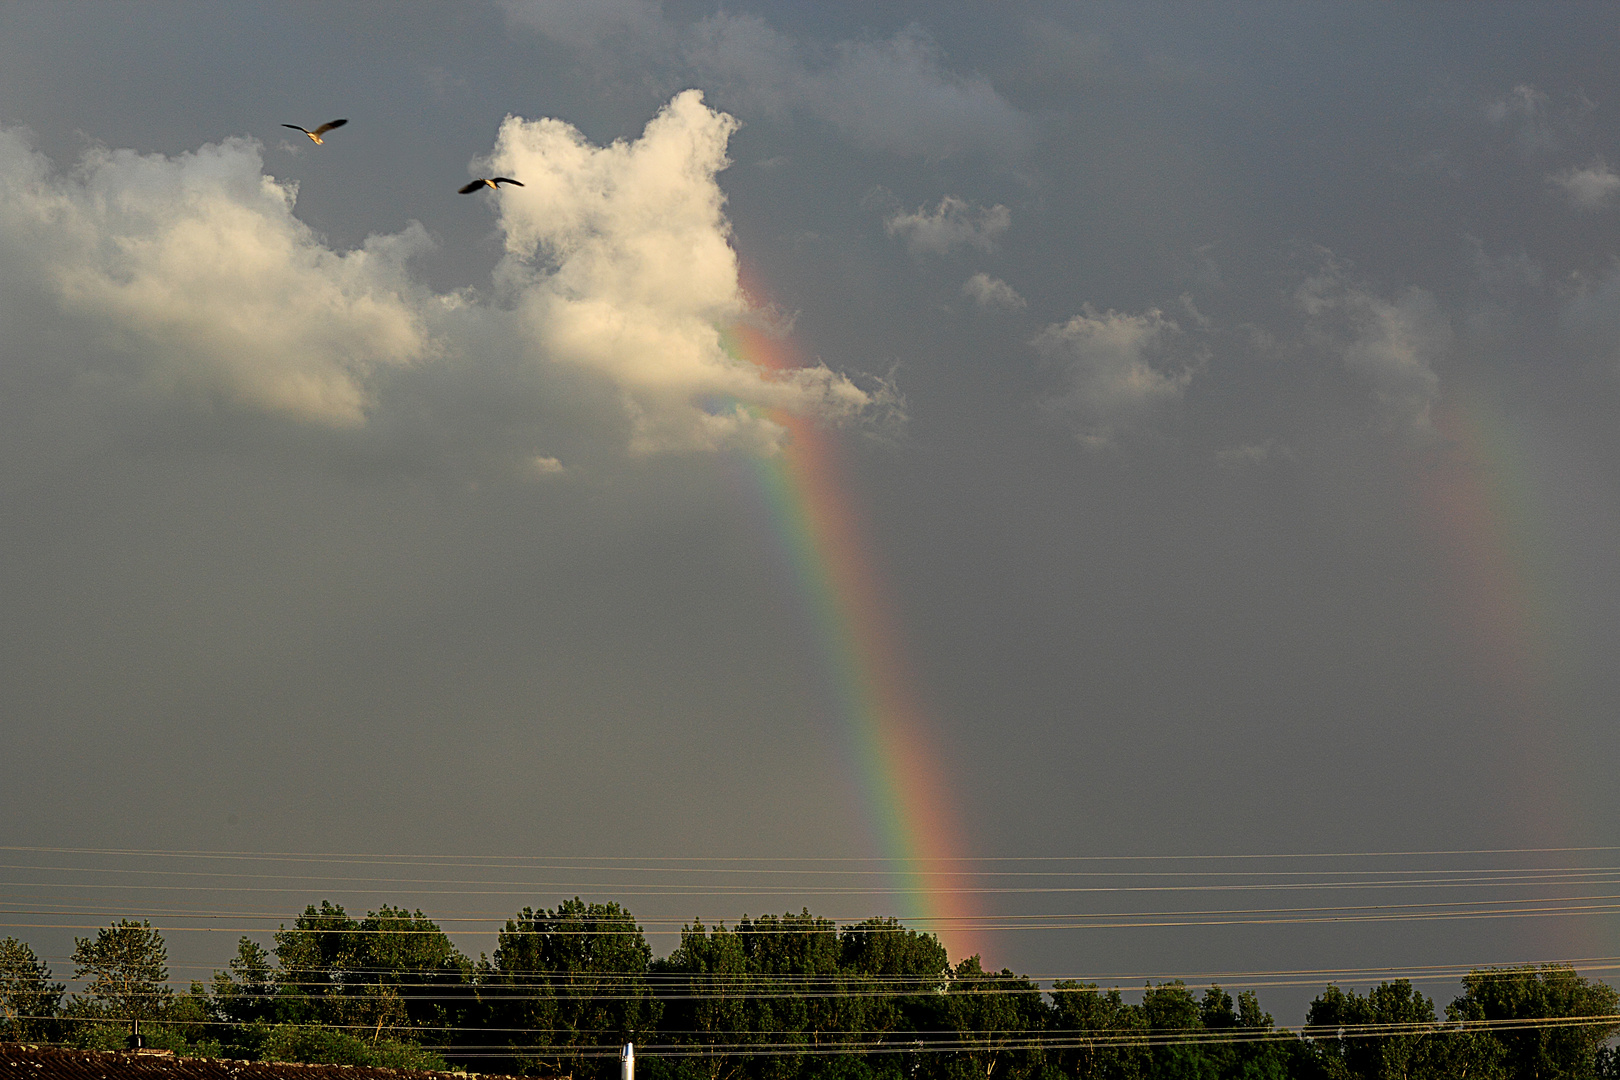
[[489, 181], [318, 132]]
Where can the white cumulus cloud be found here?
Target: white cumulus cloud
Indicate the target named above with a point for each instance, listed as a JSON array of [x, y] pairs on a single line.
[[194, 278], [619, 260], [1391, 345], [188, 279], [989, 292], [953, 223], [1591, 188], [1112, 388], [546, 465]]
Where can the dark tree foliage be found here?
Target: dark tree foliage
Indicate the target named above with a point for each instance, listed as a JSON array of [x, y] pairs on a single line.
[[127, 967], [899, 974], [402, 956], [1393, 1032], [1389, 1033], [795, 961], [797, 983], [1240, 1042], [312, 959], [294, 1042], [570, 977], [790, 997], [1172, 1015], [29, 1000], [705, 986], [190, 1024], [245, 993], [1214, 1037], [1096, 1036], [393, 976], [1503, 999], [989, 1013]]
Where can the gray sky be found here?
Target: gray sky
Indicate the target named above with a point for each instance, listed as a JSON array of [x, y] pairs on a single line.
[[1226, 393]]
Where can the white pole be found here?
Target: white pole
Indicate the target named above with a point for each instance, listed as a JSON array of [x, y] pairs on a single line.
[[627, 1062]]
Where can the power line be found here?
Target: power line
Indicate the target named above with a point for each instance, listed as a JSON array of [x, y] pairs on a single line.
[[596, 860], [352, 984], [664, 890], [963, 1041], [1082, 922], [822, 923], [819, 871]]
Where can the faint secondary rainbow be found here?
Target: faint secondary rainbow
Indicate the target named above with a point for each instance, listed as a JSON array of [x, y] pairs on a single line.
[[1477, 503], [1480, 501], [863, 667]]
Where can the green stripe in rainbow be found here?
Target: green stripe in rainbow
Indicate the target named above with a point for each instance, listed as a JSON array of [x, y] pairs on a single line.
[[865, 673]]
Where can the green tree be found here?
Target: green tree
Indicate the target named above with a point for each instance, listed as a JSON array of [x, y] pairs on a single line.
[[313, 958], [245, 993], [1104, 1038], [190, 1025], [795, 963], [307, 1043], [1507, 1001], [1240, 1040], [1390, 1033], [570, 977], [881, 954], [393, 974], [1175, 1022], [404, 959], [127, 968], [29, 1000], [706, 985], [798, 981], [989, 1014]]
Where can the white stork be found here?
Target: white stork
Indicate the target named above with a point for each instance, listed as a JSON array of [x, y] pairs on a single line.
[[318, 132], [489, 182]]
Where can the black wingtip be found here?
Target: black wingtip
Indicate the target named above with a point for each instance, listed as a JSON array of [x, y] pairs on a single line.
[[470, 188], [507, 180], [295, 127], [336, 123]]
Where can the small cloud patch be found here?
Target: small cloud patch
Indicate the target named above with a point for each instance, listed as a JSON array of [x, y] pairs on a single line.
[[1114, 390], [953, 223], [988, 292], [1591, 188]]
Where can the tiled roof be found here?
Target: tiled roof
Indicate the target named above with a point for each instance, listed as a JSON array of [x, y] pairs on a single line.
[[20, 1061]]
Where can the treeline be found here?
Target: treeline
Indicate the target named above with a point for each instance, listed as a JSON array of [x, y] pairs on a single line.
[[794, 997]]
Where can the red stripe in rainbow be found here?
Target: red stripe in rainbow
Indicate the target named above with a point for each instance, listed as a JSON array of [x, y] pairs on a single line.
[[866, 674]]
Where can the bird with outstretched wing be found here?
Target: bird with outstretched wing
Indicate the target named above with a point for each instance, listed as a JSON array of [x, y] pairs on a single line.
[[318, 132], [489, 182]]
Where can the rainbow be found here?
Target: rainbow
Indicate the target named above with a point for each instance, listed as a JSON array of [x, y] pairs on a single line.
[[1478, 501], [862, 664]]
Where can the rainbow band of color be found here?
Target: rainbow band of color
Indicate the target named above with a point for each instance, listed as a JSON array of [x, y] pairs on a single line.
[[1480, 504], [867, 680]]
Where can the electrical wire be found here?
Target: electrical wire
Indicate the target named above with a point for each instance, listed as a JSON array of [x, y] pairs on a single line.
[[350, 856], [910, 1042]]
